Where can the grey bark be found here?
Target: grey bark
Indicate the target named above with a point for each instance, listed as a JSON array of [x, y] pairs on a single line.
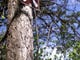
[[19, 36]]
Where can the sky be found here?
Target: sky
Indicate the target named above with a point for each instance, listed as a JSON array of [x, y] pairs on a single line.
[[73, 5]]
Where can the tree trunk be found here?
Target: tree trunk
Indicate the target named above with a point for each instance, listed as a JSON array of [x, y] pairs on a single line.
[[19, 36]]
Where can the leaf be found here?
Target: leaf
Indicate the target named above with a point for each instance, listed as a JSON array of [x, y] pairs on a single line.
[[2, 17]]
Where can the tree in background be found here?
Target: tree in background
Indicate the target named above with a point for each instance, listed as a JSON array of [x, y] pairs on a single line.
[[59, 26]]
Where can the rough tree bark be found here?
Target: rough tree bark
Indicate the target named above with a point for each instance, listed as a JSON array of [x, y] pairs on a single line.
[[19, 36]]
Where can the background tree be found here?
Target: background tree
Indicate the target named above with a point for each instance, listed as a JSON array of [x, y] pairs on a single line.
[[59, 26]]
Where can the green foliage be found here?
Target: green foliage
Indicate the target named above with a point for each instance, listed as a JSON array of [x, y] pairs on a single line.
[[3, 15], [2, 49], [75, 54]]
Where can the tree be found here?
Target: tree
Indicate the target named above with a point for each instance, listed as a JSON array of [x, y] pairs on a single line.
[[19, 34], [57, 25]]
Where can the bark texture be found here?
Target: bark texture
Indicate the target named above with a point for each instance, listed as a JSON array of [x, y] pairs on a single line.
[[19, 36]]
